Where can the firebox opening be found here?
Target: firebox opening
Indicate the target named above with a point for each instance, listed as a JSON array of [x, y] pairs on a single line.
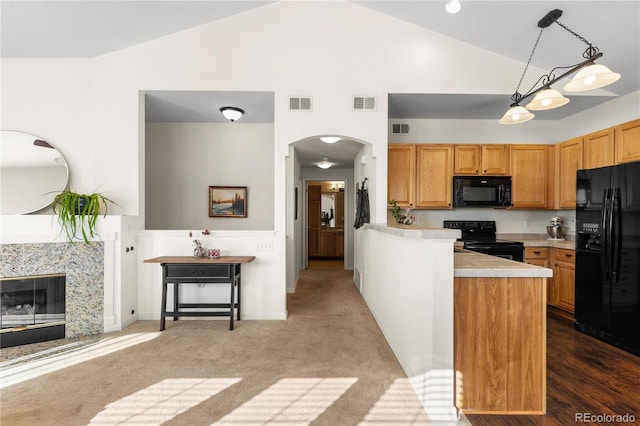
[[33, 309]]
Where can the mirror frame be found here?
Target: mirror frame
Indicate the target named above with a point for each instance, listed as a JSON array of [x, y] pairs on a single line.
[[35, 190]]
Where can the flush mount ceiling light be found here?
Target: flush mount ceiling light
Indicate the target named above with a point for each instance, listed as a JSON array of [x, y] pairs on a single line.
[[232, 113], [324, 164], [453, 6], [330, 139], [589, 76]]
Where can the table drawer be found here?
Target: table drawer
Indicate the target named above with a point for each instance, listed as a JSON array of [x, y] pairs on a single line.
[[536, 252], [197, 271]]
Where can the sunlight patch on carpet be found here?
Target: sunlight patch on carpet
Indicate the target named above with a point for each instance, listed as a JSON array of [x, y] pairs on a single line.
[[32, 369], [161, 402], [292, 401], [398, 405]]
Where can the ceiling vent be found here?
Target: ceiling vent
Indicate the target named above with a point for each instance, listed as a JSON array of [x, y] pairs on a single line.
[[400, 128], [300, 103], [364, 103]]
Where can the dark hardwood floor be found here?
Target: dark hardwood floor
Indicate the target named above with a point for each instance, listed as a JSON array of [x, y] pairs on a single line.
[[584, 375]]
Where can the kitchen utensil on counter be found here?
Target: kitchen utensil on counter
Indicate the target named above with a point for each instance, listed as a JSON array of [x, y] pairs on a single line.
[[555, 230]]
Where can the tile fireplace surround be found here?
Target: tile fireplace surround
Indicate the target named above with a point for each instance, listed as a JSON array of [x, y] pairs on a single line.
[[83, 265]]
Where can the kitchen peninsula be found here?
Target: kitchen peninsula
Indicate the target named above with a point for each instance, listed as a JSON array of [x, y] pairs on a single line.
[[453, 316]]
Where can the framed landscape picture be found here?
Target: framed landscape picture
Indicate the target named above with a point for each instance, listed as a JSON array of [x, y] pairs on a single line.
[[227, 201]]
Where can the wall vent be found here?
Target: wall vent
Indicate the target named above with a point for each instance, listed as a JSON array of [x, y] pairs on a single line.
[[362, 103], [400, 128], [299, 103]]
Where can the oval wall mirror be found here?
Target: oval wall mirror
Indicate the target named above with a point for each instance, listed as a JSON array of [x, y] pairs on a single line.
[[32, 172]]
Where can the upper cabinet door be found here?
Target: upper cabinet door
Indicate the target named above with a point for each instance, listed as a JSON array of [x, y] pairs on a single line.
[[528, 165], [466, 159], [628, 142], [495, 160], [598, 149], [480, 160], [434, 180], [569, 162], [401, 174]]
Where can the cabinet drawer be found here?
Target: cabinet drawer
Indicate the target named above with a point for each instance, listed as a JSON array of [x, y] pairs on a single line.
[[536, 252], [565, 255], [198, 271]]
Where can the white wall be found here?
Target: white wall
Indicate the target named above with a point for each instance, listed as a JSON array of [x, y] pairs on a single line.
[[184, 159], [262, 295]]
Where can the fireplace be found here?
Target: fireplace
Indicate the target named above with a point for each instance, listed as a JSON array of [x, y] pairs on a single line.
[[33, 309]]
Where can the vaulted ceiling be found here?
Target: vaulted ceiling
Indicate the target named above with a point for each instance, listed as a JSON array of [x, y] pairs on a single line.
[[87, 28]]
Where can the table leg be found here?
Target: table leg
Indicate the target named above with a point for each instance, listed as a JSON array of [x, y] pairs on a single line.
[[233, 269], [239, 288], [163, 307], [176, 288]]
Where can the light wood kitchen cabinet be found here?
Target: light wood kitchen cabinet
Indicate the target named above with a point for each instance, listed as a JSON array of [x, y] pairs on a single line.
[[569, 161], [401, 174], [502, 320], [628, 142], [562, 285], [538, 256], [434, 176], [466, 159], [528, 165], [331, 243], [313, 219], [480, 159], [598, 149]]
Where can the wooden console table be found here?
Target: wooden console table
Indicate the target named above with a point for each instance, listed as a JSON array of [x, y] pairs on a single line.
[[178, 270]]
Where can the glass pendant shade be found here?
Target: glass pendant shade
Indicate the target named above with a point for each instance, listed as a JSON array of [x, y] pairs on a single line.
[[515, 115], [324, 164], [592, 77], [547, 99], [232, 113]]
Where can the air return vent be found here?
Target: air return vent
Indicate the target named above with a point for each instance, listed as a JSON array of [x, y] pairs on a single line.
[[400, 128], [300, 103], [364, 103]]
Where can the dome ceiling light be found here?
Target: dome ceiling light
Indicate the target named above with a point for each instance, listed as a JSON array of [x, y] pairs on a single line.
[[589, 76], [232, 113], [324, 164], [453, 6], [330, 139]]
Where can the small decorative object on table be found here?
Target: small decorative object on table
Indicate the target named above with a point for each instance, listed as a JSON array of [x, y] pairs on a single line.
[[199, 250], [402, 215], [214, 253]]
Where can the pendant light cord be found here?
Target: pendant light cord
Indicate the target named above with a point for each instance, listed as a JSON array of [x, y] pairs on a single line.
[[516, 96], [591, 51]]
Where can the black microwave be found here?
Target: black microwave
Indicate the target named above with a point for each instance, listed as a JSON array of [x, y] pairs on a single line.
[[481, 191]]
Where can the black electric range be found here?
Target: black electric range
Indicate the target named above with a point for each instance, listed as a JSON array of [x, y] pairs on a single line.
[[480, 236]]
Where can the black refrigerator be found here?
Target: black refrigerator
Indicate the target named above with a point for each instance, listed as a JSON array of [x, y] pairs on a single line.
[[607, 286]]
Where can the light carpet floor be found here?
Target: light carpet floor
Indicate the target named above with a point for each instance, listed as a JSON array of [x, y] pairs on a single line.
[[327, 364]]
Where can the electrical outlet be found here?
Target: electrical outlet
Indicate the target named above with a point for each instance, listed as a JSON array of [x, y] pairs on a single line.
[[265, 246], [527, 223]]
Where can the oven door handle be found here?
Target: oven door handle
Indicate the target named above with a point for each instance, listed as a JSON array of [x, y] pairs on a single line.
[[491, 247]]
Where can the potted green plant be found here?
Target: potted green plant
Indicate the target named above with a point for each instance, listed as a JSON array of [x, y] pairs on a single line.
[[79, 212]]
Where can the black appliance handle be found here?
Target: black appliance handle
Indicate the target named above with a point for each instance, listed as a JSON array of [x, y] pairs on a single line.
[[606, 248], [616, 240]]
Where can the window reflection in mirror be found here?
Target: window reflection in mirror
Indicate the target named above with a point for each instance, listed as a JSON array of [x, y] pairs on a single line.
[[32, 172], [332, 210]]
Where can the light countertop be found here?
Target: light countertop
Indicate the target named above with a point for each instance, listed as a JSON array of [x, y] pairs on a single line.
[[472, 264], [539, 240]]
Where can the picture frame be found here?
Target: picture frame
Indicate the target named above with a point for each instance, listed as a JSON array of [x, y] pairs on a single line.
[[228, 201]]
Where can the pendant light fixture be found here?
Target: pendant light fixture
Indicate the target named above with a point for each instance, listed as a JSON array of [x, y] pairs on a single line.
[[589, 76], [324, 164], [232, 113]]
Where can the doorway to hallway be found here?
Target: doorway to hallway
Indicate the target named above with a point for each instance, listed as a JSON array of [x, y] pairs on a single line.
[[325, 224]]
